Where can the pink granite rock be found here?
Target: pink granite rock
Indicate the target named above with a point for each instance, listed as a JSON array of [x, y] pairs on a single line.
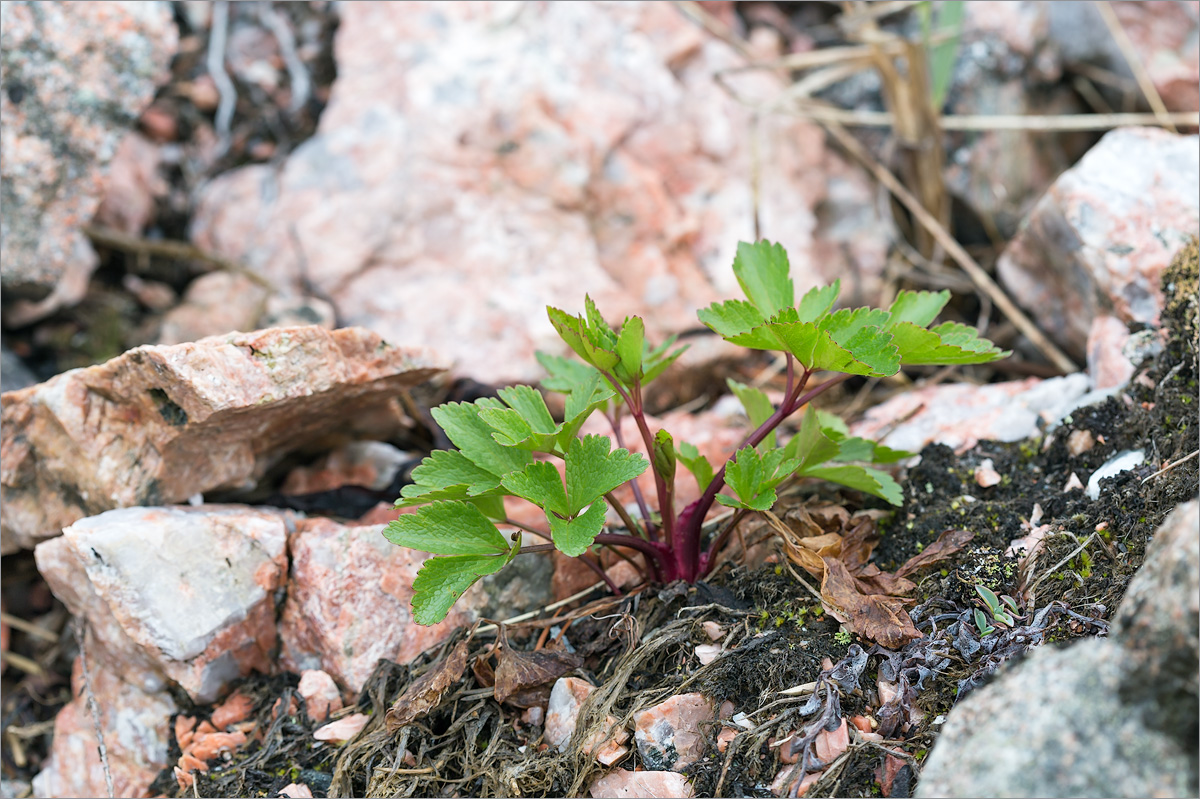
[[669, 735], [175, 594], [1166, 38], [642, 785], [75, 75], [349, 603], [566, 698], [582, 147], [214, 305], [1102, 235], [133, 186], [320, 694], [1106, 362], [372, 464], [160, 424], [961, 415], [136, 735], [343, 729]]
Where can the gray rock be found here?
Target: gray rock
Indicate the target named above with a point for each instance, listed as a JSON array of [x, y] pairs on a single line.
[[1054, 726], [1109, 717], [13, 373], [1157, 627], [75, 77]]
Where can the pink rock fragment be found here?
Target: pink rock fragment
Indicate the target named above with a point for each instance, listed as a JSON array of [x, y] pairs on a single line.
[[725, 738], [183, 594], [371, 464], [780, 785], [1079, 442], [670, 734], [986, 475], [713, 630], [1106, 362], [349, 603], [566, 699], [236, 708], [320, 694], [830, 744], [343, 729], [296, 790], [136, 730], [642, 785], [707, 653]]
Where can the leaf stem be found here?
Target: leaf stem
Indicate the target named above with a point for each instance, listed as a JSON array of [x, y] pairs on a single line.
[[532, 548], [710, 556], [626, 519], [599, 570], [651, 531]]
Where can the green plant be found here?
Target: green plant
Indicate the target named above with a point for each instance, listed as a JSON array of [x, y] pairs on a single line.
[[462, 490], [1001, 610]]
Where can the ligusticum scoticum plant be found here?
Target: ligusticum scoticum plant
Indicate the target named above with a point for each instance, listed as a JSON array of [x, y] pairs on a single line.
[[462, 490]]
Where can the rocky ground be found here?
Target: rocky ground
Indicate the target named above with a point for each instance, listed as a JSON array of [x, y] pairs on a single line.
[[194, 575]]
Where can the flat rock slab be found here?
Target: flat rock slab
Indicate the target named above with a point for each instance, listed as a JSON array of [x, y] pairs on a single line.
[[160, 424], [349, 603], [181, 594]]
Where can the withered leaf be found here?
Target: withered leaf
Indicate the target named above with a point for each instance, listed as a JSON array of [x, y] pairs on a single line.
[[807, 552], [485, 672], [949, 542], [858, 544], [426, 691], [877, 617], [531, 697], [519, 671], [872, 580]]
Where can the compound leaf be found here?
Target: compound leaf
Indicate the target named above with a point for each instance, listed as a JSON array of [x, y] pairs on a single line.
[[592, 470], [917, 307], [529, 403], [757, 405], [762, 272], [473, 436], [731, 318], [630, 348], [443, 468], [817, 301], [810, 446], [447, 528], [541, 484], [442, 581], [574, 536], [948, 343]]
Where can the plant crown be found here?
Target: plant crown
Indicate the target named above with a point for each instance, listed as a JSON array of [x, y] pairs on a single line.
[[461, 491]]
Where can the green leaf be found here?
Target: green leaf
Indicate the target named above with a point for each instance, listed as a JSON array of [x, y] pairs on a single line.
[[861, 478], [810, 446], [754, 477], [601, 333], [573, 536], [593, 471], [509, 429], [541, 484], [443, 468], [664, 456], [565, 375], [630, 348], [758, 408], [817, 302], [731, 318], [491, 505], [695, 463], [762, 272], [844, 341], [447, 528], [589, 343], [917, 307], [949, 343], [473, 436], [659, 365], [442, 581], [528, 401]]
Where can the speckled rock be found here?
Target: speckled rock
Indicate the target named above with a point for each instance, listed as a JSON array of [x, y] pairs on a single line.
[[75, 77], [136, 730], [349, 603], [642, 785], [1157, 626], [177, 594], [669, 735], [578, 147], [1103, 234], [161, 424]]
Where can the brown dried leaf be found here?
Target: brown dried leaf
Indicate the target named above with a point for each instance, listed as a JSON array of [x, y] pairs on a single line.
[[858, 544], [485, 672], [426, 691], [531, 697], [807, 552], [873, 580], [519, 671], [877, 617], [949, 542]]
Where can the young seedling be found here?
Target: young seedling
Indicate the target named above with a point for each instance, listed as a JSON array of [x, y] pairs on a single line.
[[1001, 610], [507, 447]]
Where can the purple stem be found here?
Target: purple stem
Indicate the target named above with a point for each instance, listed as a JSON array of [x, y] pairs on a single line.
[[647, 521]]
